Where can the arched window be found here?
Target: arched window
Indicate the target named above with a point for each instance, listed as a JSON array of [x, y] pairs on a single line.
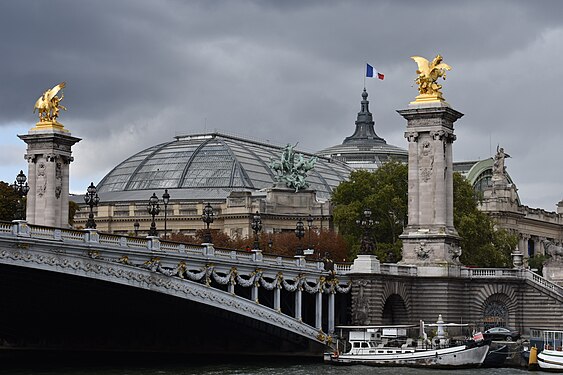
[[495, 314]]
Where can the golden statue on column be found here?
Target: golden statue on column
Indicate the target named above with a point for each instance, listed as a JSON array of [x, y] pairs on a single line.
[[428, 73], [49, 106]]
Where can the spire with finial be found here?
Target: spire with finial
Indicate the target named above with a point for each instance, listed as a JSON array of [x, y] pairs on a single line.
[[365, 132]]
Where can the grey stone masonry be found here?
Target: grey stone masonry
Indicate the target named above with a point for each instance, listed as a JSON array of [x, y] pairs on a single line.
[[49, 156], [430, 238]]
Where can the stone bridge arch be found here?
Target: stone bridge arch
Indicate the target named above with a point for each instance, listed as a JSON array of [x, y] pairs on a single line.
[[123, 272]]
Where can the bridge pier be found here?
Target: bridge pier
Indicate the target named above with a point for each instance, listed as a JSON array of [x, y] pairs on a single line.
[[49, 157]]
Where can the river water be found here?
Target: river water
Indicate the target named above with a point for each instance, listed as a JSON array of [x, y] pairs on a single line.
[[215, 366]]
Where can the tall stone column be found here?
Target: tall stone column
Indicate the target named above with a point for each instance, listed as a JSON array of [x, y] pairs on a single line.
[[430, 239], [30, 200], [49, 156]]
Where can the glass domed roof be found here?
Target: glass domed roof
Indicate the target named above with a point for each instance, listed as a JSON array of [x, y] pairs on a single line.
[[209, 165]]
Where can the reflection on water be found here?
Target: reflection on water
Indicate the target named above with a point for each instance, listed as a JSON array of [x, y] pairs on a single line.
[[151, 364]]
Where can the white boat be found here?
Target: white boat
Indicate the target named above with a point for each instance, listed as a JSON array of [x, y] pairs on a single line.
[[551, 356], [389, 346]]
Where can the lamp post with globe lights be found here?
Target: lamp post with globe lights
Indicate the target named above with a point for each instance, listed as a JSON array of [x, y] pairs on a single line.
[[92, 199], [154, 209], [165, 200], [21, 188], [366, 223], [256, 227], [299, 233], [207, 218], [310, 227]]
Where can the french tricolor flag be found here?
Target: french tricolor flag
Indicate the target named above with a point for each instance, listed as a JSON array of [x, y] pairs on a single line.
[[370, 71]]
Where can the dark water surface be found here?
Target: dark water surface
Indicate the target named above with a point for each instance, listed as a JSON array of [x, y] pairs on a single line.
[[148, 364]]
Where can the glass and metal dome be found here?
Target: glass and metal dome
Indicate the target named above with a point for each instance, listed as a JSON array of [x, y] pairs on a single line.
[[208, 166], [365, 149]]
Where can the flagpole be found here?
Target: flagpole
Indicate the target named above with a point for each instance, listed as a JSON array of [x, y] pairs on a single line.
[[365, 75]]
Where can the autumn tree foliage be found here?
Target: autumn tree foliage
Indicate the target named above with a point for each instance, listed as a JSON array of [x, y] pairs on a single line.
[[324, 243]]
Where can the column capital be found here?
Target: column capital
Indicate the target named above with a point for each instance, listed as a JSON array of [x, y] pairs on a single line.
[[30, 158], [411, 136], [443, 135]]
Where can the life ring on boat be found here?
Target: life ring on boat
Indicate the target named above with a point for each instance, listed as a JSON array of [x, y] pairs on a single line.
[[335, 354]]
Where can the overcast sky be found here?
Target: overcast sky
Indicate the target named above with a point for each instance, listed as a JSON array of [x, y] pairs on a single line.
[[140, 72]]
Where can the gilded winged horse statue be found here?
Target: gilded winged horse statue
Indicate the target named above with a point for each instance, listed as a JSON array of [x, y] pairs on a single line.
[[48, 105], [428, 73]]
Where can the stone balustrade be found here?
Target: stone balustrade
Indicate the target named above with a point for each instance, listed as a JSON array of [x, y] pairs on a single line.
[[20, 228]]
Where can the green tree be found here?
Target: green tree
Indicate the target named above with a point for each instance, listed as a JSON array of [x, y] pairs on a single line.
[[482, 244], [8, 202], [385, 192]]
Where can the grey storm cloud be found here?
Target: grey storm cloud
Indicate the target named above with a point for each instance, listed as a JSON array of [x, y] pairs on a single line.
[[140, 72]]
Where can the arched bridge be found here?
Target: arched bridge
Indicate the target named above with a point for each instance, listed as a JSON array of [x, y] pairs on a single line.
[[290, 295]]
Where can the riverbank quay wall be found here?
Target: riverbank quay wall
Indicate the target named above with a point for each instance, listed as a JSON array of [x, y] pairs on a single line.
[[519, 299]]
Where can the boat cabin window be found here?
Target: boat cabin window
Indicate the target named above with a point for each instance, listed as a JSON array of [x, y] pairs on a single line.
[[356, 345], [365, 345]]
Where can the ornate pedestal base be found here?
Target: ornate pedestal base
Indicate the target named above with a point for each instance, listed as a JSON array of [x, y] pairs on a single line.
[[366, 264]]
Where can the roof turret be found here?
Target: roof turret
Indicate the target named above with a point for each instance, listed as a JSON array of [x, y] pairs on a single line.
[[365, 132]]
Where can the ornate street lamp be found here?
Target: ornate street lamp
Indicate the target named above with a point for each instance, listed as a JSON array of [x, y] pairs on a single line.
[[256, 227], [91, 199], [21, 188], [207, 218], [366, 223], [136, 225], [300, 233], [310, 226], [153, 209], [165, 200]]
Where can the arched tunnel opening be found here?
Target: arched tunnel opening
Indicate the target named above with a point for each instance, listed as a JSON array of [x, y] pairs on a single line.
[[395, 311], [43, 310]]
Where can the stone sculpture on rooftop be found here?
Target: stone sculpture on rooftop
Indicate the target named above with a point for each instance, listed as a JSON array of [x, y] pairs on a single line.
[[292, 168], [499, 169]]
